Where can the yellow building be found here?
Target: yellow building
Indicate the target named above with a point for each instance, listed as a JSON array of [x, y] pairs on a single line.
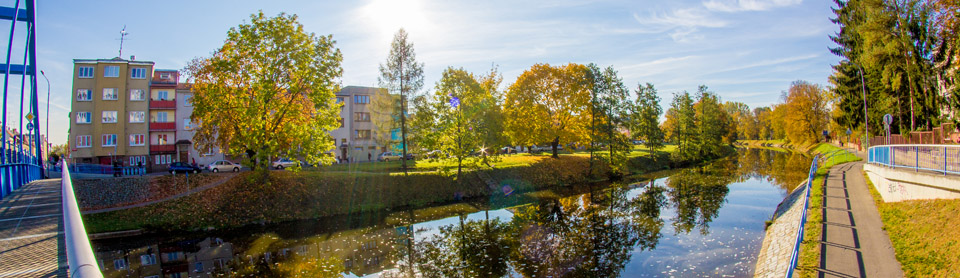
[[109, 111]]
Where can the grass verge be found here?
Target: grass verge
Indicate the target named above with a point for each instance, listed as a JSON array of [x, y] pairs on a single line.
[[924, 234], [810, 248]]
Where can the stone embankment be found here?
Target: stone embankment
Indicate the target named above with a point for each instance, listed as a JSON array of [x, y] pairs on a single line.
[[781, 236]]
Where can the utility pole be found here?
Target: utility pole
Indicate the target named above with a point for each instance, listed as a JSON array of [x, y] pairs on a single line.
[[866, 121], [47, 118]]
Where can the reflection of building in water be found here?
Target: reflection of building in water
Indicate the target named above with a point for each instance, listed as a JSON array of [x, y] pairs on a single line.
[[195, 258]]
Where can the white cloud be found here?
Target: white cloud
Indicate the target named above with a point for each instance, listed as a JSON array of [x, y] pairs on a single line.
[[687, 17], [747, 5]]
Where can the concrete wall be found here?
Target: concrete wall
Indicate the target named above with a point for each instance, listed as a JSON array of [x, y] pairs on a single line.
[[896, 184]]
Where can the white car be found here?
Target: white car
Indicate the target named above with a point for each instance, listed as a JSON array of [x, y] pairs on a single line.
[[284, 163], [387, 156], [223, 165]]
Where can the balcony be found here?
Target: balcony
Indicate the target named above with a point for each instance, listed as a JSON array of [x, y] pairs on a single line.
[[163, 148], [170, 126], [163, 104]]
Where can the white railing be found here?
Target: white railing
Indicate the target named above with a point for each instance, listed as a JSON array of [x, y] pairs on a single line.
[[939, 158], [80, 256]]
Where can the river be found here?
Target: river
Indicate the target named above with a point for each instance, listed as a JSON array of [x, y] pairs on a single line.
[[705, 221]]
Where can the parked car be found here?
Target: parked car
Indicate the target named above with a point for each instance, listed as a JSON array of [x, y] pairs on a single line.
[[433, 154], [284, 163], [223, 165], [387, 156], [638, 142], [508, 150], [411, 156], [183, 167]]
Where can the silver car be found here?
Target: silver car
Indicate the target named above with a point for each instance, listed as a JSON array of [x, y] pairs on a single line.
[[223, 165], [284, 163]]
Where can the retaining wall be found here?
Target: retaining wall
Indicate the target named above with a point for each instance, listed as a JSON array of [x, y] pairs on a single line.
[[902, 184]]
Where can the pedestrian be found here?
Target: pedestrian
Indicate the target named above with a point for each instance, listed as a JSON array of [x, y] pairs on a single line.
[[140, 167], [338, 159], [369, 157]]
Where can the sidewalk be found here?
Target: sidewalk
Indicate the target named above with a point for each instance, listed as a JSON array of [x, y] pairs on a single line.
[[853, 243]]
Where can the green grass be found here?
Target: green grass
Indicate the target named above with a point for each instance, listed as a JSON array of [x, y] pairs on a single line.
[[924, 234], [810, 249]]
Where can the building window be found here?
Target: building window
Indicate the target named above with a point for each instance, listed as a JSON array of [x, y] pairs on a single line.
[[161, 139], [85, 72], [137, 140], [198, 267], [136, 94], [173, 256], [109, 93], [164, 76], [361, 117], [163, 159], [108, 140], [109, 117], [362, 134], [83, 117], [163, 95], [187, 100], [187, 125], [361, 99], [161, 117], [148, 259], [137, 116], [84, 95], [138, 73], [120, 264], [83, 141], [140, 160], [339, 99], [111, 71]]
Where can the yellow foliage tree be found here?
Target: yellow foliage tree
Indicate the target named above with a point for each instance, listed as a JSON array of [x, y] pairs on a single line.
[[548, 104]]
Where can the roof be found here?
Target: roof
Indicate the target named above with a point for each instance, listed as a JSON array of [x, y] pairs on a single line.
[[115, 60]]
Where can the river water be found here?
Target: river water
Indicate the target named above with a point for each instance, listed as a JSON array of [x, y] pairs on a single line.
[[703, 221]]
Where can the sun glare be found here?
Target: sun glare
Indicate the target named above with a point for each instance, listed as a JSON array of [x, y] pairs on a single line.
[[388, 16]]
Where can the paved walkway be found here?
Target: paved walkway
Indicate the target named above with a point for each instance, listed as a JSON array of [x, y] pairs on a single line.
[[853, 243], [31, 232]]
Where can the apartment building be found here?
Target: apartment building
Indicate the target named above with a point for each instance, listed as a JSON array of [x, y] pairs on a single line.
[[108, 111], [359, 136], [163, 114], [186, 147]]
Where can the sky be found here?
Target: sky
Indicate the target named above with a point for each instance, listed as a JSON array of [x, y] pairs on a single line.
[[744, 50]]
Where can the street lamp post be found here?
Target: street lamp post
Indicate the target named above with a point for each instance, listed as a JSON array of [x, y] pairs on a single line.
[[47, 157], [866, 122]]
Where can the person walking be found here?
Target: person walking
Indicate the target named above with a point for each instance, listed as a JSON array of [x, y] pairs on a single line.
[[140, 167], [369, 157]]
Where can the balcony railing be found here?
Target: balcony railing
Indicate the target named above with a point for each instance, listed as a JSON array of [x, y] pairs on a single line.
[[157, 126], [163, 148], [172, 104]]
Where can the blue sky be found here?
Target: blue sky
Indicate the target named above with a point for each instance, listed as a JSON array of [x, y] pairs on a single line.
[[747, 50]]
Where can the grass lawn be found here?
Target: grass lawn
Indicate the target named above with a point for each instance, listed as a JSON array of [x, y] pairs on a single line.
[[810, 249], [924, 234]]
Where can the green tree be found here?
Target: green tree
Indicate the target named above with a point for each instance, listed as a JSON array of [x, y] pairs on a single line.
[[680, 125], [645, 120], [609, 114], [404, 76], [712, 124], [460, 119], [268, 92], [764, 129], [548, 104]]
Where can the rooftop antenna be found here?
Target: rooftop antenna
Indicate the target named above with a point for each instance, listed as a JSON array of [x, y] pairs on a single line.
[[123, 34]]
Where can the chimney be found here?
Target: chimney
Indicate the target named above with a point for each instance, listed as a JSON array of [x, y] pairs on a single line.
[[133, 57]]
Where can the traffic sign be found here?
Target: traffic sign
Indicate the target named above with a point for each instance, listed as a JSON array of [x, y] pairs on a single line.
[[30, 126], [29, 116], [887, 119], [849, 132]]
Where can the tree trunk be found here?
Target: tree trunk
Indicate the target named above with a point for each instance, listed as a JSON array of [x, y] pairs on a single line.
[[555, 143]]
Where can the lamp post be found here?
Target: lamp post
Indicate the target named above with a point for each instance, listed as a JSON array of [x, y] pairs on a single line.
[[866, 122], [47, 157]]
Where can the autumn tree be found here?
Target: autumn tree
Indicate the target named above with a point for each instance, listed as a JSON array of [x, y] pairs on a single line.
[[763, 125], [402, 75], [806, 112], [645, 118], [268, 92], [385, 117], [680, 125], [548, 104]]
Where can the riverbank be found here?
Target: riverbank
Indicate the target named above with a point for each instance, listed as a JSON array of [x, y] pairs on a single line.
[[250, 198]]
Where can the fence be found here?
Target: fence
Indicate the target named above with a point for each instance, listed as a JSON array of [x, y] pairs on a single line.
[[938, 135], [82, 263], [939, 158], [20, 154], [101, 169], [794, 256]]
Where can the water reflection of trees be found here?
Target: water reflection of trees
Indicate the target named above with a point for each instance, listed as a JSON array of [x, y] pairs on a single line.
[[783, 168], [590, 235], [698, 194]]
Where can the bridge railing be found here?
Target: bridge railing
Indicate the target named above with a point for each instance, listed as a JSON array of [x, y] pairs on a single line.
[[939, 158], [795, 255], [82, 262]]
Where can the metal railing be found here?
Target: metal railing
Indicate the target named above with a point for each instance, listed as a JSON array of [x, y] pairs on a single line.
[[82, 262], [101, 169], [795, 255], [939, 158]]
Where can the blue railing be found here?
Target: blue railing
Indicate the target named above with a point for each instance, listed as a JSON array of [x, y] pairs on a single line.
[[794, 256], [82, 263], [100, 169], [20, 153], [938, 158]]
